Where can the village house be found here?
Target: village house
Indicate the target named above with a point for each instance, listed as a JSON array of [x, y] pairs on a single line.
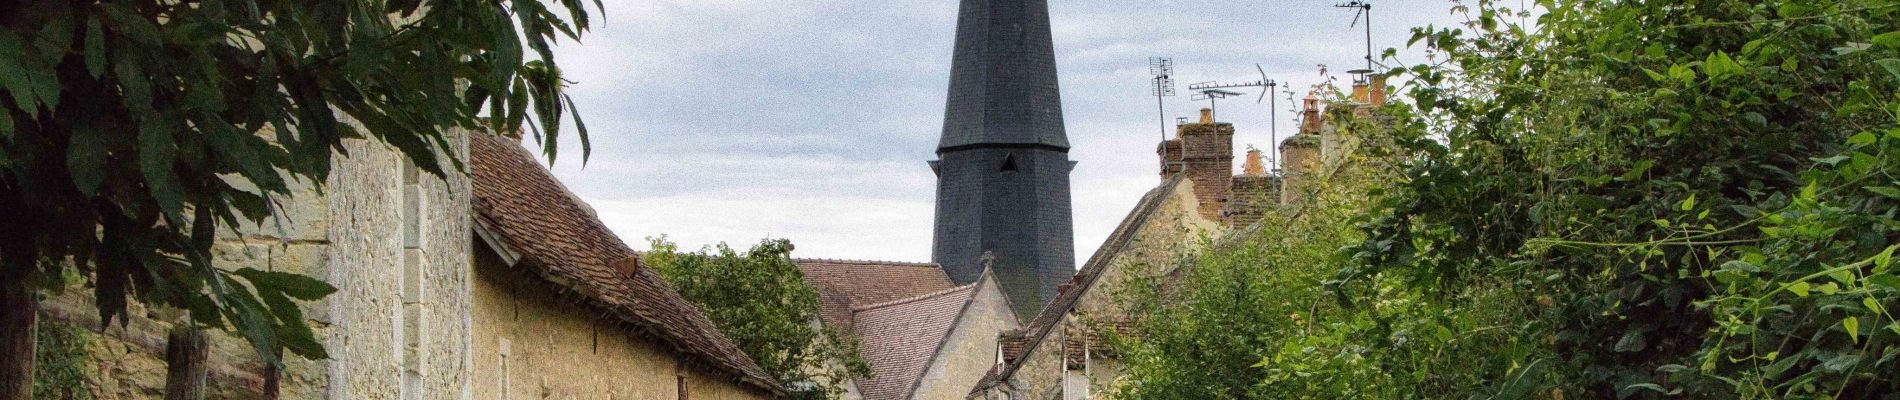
[[496, 284], [1064, 352], [922, 336]]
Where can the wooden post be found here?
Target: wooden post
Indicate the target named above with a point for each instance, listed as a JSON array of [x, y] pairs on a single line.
[[187, 350]]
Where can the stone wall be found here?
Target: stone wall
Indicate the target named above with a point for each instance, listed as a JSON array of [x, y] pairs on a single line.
[[1174, 229], [351, 234], [533, 342], [969, 350]]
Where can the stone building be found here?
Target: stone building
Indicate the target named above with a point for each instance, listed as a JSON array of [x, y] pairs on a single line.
[[923, 336], [393, 241], [1063, 353], [564, 309], [492, 285]]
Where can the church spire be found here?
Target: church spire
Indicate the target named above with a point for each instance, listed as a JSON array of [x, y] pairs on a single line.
[[1003, 167]]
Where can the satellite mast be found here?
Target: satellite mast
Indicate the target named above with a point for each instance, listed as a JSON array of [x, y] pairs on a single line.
[[1161, 68], [1267, 87], [1364, 9]]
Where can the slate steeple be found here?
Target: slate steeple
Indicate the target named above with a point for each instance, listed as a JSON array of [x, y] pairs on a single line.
[[1003, 164]]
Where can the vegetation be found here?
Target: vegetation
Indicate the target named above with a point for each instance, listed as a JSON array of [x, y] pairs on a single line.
[[64, 366], [1600, 199], [759, 299], [131, 131]]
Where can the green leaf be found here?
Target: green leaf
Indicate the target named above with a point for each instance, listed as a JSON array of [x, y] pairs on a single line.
[[157, 151], [1889, 191], [95, 47], [1889, 39], [1656, 76], [1852, 324], [1720, 65], [1688, 204], [1829, 288], [1890, 281], [1862, 138], [293, 285], [1891, 65], [1799, 288], [1632, 341], [1871, 304], [13, 75], [1885, 258], [1794, 10], [86, 159]]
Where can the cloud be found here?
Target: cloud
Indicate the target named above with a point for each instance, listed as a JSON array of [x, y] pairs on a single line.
[[729, 120]]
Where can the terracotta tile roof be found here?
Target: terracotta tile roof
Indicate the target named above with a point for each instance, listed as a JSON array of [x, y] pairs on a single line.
[[846, 284], [898, 338], [1013, 342], [560, 239], [1051, 315]]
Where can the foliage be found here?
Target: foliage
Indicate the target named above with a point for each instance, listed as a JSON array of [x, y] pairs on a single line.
[[759, 299], [1687, 198], [62, 361], [132, 130], [1600, 199]]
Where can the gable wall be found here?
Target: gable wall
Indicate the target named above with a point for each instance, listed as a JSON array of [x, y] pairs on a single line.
[[1175, 227], [969, 350]]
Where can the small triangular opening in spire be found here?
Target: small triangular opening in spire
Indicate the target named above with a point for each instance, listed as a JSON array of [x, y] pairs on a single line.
[[1009, 163]]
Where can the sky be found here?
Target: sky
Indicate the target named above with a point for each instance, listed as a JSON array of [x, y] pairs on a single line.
[[811, 120]]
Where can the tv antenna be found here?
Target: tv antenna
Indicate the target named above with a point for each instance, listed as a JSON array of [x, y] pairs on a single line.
[[1266, 86], [1162, 68], [1364, 9], [1211, 94]]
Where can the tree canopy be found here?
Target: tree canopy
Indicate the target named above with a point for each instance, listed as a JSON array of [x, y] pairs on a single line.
[[1600, 199], [759, 298], [131, 131]]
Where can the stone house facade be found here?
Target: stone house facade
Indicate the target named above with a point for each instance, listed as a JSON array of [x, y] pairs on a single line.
[[417, 313], [1062, 353], [563, 309]]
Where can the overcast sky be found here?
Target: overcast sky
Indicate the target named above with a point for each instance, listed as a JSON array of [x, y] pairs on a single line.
[[729, 120]]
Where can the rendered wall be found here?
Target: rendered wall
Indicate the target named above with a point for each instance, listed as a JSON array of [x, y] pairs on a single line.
[[559, 348]]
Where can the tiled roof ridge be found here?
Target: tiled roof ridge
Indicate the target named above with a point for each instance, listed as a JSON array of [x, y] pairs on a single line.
[[866, 262], [1040, 326], [913, 299], [700, 339]]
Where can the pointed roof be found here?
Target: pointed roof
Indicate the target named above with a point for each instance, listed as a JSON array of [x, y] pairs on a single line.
[[899, 338], [518, 204], [1003, 77]]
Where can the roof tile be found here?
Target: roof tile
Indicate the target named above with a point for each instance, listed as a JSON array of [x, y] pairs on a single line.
[[561, 240]]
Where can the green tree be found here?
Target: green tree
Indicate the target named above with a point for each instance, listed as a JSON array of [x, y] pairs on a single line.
[[759, 299], [1689, 198], [132, 130]]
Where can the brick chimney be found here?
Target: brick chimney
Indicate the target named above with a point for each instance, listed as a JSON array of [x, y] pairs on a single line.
[[1253, 166], [1309, 117], [1300, 156], [1206, 155], [1378, 90]]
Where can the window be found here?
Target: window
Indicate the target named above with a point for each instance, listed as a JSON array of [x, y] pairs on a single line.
[[1009, 163]]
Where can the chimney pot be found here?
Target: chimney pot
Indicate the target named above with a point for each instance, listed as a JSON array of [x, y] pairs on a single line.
[[1253, 166], [1207, 116]]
